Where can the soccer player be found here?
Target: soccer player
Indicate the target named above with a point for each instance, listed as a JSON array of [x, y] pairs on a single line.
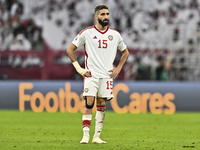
[[101, 43]]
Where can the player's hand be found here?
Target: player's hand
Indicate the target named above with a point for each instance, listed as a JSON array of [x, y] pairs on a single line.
[[81, 70], [115, 72], [87, 74]]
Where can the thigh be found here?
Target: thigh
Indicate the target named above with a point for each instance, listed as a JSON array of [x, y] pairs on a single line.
[[90, 86], [105, 88]]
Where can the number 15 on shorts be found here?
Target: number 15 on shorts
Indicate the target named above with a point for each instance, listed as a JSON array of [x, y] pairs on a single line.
[[109, 85]]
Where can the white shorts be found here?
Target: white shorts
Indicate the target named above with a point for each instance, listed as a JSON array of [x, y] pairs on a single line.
[[102, 87]]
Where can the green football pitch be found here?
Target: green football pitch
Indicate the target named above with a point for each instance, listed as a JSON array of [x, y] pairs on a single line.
[[63, 131]]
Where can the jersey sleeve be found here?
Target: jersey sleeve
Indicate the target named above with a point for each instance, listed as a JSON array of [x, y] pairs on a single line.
[[79, 40], [121, 45]]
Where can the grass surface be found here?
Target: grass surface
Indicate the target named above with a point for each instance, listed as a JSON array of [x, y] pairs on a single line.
[[63, 131]]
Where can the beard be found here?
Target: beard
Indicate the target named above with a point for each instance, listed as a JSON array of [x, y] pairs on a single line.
[[101, 22]]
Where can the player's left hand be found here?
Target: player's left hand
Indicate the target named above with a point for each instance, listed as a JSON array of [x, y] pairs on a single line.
[[115, 72]]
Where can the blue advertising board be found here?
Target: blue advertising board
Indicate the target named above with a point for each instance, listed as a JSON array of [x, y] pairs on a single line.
[[129, 96]]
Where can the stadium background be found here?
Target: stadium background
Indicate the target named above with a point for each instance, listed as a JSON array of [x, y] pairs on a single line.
[[36, 33]]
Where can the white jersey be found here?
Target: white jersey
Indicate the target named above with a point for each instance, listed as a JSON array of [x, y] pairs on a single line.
[[100, 49]]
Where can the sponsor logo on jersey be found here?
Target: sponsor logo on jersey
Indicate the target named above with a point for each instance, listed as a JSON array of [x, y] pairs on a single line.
[[110, 37], [86, 90], [94, 37]]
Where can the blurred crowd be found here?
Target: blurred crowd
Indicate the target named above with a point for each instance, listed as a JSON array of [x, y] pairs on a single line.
[[18, 32], [151, 24], [172, 25]]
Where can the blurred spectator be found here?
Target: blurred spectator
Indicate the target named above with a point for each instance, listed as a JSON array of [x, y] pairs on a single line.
[[162, 5], [145, 36], [191, 28], [16, 8], [136, 42], [5, 40], [182, 14], [86, 18], [18, 27], [139, 18], [4, 15], [161, 71], [129, 35], [164, 30], [142, 71], [150, 5], [177, 43], [4, 76], [34, 34], [20, 43], [118, 17]]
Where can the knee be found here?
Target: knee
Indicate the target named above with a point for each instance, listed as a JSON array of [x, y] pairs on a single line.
[[89, 102], [101, 101]]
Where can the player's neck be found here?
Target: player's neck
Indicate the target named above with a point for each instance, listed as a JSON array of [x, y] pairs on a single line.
[[100, 27]]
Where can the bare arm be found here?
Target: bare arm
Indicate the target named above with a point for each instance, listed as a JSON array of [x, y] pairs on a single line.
[[70, 52], [168, 63], [72, 56], [123, 59]]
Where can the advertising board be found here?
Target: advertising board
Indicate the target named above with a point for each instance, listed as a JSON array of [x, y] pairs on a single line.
[[129, 97]]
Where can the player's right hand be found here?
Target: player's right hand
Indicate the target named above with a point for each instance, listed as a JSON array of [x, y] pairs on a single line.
[[87, 74], [81, 70]]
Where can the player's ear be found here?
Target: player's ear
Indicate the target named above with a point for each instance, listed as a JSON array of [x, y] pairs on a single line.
[[95, 16]]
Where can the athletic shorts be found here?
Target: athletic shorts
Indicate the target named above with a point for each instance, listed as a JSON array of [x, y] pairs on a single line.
[[102, 87]]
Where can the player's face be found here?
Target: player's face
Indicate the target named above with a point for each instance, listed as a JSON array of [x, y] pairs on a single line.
[[103, 17]]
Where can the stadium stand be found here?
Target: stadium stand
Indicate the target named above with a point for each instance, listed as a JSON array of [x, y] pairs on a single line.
[[35, 34]]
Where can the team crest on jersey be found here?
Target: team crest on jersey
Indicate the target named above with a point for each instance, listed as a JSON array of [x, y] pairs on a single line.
[[86, 90], [110, 37]]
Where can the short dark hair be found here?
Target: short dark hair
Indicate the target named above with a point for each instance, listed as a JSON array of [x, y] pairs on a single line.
[[100, 7]]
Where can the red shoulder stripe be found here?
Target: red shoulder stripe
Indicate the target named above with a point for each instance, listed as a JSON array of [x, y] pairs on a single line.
[[85, 29], [116, 31]]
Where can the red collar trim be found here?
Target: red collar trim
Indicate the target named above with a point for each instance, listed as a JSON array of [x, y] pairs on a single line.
[[100, 31]]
